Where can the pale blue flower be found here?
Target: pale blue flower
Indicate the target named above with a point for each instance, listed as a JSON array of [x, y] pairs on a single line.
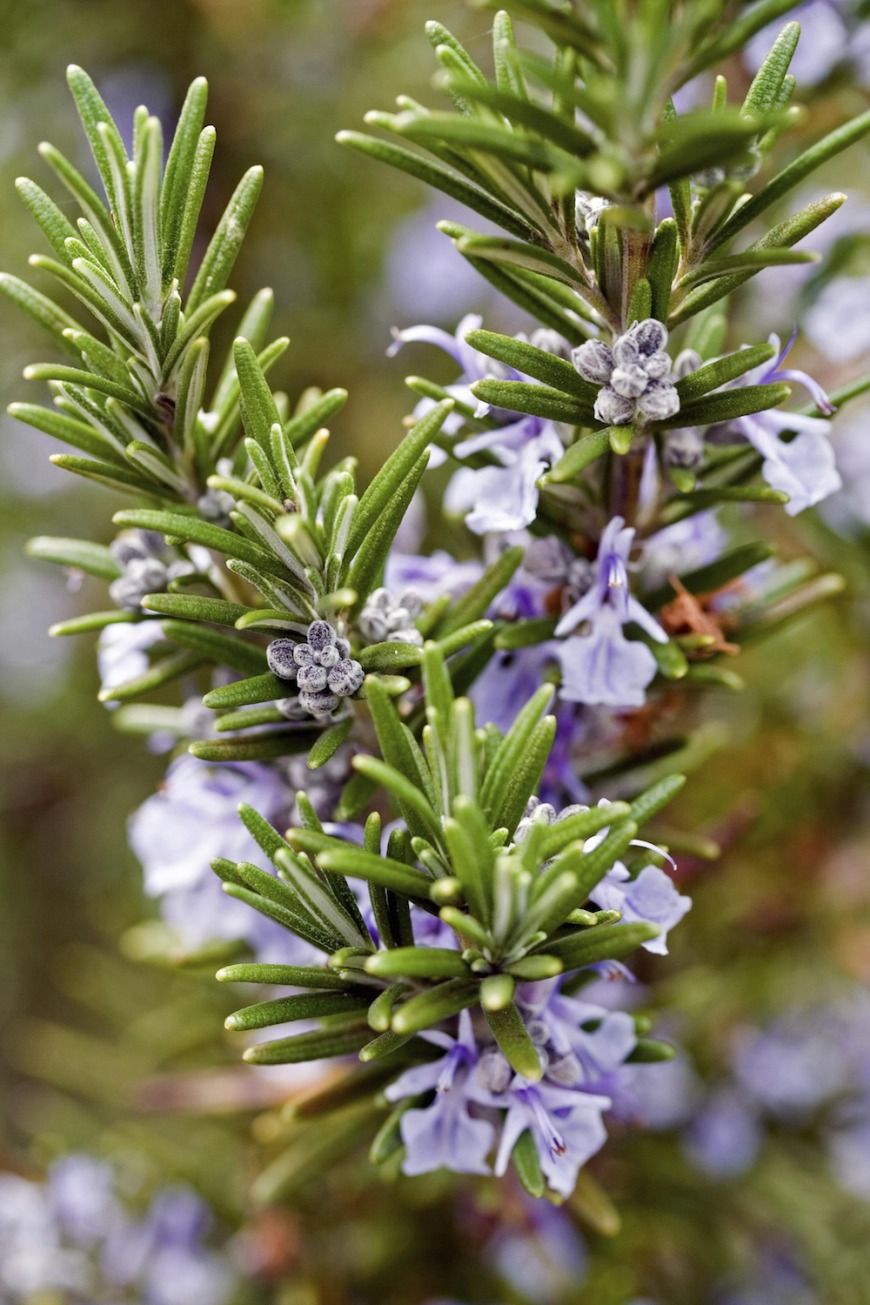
[[444, 1134], [848, 1147], [438, 573], [599, 664], [581, 1042], [504, 496], [566, 1125], [501, 498], [189, 821], [543, 1255], [803, 467], [651, 897]]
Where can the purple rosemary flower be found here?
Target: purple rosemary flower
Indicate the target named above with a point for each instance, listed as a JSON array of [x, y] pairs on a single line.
[[444, 1133], [578, 1042], [847, 1142], [651, 897], [71, 1238], [81, 1191], [599, 665], [566, 1125], [164, 1256], [844, 299], [543, 1257], [439, 573], [192, 819], [504, 496], [693, 542], [803, 467], [724, 1138], [122, 651], [795, 1064]]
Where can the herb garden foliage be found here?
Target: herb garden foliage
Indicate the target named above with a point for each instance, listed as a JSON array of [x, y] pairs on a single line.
[[440, 948]]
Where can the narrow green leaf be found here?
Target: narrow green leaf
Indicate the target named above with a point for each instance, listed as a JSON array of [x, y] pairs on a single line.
[[220, 257], [527, 1162], [281, 1010], [836, 141], [546, 367], [194, 607], [376, 869], [475, 602], [728, 405], [195, 531], [326, 746], [43, 311], [180, 165], [162, 672], [434, 1005], [222, 649], [509, 1030], [536, 400], [92, 621], [394, 471], [294, 976], [440, 177], [262, 747], [317, 1045], [80, 554], [418, 963], [606, 942], [246, 693], [657, 797]]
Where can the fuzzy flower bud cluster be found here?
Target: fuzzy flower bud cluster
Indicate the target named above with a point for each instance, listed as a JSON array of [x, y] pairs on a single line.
[[388, 617], [147, 567], [321, 668], [634, 375]]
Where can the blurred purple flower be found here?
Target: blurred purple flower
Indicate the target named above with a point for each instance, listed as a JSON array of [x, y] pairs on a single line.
[[192, 819], [439, 573], [693, 542], [724, 1138], [803, 467], [122, 651], [545, 1259], [794, 1065], [81, 1191], [844, 299]]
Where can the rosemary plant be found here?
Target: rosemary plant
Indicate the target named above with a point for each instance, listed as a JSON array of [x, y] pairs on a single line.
[[448, 896]]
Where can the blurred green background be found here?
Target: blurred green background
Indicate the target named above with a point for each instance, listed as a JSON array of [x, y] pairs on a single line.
[[350, 251]]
